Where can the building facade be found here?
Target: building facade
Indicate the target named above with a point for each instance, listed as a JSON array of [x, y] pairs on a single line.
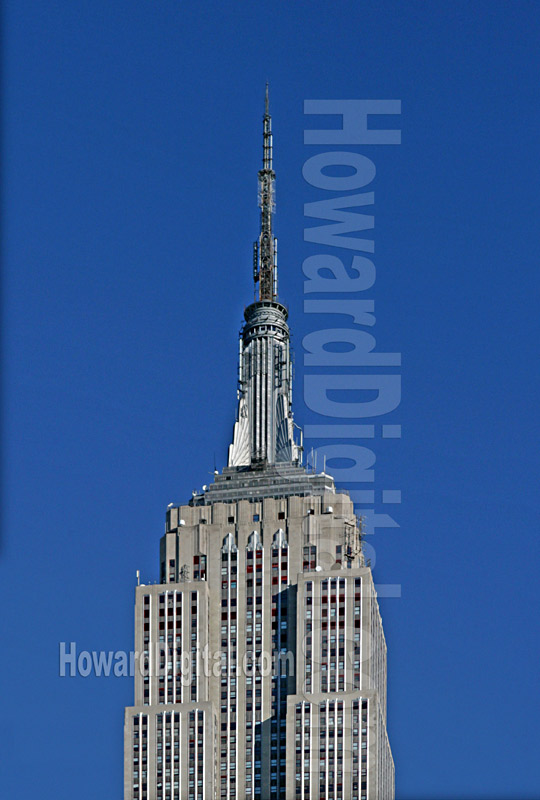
[[261, 659]]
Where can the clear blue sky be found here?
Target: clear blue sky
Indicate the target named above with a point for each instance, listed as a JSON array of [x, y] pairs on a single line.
[[131, 145]]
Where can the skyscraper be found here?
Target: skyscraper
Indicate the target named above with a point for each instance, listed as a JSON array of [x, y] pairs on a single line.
[[262, 669]]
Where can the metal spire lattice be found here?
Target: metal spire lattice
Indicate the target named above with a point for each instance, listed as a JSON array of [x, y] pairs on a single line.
[[265, 249]]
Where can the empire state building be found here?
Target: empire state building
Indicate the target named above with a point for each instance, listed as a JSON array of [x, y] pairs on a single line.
[[261, 669]]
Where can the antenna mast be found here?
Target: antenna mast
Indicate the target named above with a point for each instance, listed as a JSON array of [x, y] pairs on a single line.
[[265, 249]]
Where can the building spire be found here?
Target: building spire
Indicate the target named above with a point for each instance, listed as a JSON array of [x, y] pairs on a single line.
[[264, 428], [265, 249]]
